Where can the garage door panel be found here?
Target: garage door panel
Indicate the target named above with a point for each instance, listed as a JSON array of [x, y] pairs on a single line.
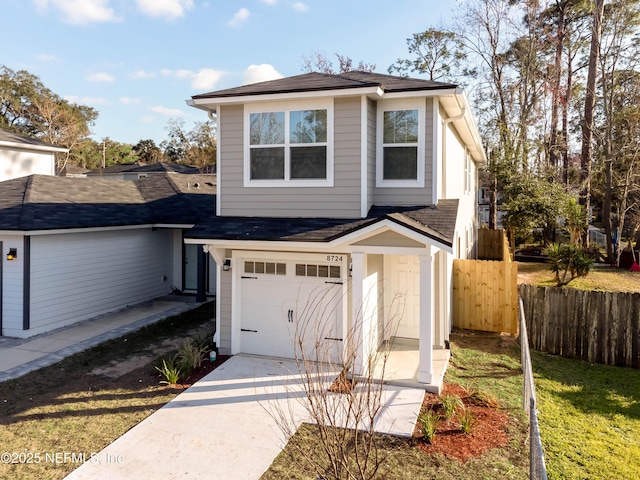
[[277, 311]]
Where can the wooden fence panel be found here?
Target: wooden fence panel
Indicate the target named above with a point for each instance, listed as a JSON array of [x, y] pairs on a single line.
[[492, 244], [599, 327], [485, 295]]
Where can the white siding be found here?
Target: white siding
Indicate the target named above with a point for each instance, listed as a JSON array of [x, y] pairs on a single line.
[[455, 187], [79, 276], [15, 162], [12, 285]]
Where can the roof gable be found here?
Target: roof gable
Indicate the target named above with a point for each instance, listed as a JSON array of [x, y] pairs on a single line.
[[11, 139]]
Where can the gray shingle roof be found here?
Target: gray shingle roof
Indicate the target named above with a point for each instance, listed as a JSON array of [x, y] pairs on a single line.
[[139, 167], [310, 82], [437, 223], [41, 202], [10, 137]]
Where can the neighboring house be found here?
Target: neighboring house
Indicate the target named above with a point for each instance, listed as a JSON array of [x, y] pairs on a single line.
[[21, 156], [342, 200], [74, 248], [135, 170]]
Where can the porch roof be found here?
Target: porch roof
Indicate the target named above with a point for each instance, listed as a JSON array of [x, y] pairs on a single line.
[[434, 222]]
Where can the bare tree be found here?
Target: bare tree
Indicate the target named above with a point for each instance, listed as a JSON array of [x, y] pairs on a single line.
[[343, 390], [319, 62]]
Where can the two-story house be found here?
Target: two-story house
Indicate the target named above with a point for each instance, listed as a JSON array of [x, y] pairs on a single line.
[[342, 201]]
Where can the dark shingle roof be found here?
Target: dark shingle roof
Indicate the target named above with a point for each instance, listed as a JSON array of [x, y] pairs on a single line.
[[10, 137], [41, 202], [159, 167], [437, 223], [313, 82]]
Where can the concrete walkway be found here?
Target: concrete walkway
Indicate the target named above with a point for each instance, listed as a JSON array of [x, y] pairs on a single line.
[[21, 356], [222, 427]]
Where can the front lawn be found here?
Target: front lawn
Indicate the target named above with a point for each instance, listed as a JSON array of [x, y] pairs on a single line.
[[51, 417], [603, 279], [589, 418]]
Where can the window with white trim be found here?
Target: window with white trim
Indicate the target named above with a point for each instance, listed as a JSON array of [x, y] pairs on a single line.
[[287, 145], [400, 155]]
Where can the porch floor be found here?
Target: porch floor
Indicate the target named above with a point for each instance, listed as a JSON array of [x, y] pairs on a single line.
[[403, 362]]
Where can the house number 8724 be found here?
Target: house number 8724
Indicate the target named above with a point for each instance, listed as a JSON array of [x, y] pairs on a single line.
[[334, 258]]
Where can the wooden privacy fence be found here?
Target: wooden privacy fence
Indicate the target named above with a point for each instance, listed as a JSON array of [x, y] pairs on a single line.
[[492, 245], [485, 295], [600, 327]]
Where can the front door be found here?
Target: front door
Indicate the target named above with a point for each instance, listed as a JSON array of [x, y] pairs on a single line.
[[403, 272], [190, 267]]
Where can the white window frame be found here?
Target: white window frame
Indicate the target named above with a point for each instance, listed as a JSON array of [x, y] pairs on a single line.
[[287, 108], [401, 104]]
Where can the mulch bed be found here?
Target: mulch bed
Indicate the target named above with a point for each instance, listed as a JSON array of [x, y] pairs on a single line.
[[200, 372], [489, 428]]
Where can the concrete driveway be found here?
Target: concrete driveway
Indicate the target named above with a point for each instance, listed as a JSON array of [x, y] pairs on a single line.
[[221, 426]]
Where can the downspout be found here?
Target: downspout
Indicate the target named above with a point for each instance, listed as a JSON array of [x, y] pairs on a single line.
[[446, 122]]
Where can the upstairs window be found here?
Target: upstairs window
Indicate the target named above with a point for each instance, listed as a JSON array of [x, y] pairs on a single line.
[[289, 147], [400, 145]]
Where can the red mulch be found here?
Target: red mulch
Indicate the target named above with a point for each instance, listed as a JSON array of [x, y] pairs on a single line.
[[488, 429], [200, 372], [342, 385]]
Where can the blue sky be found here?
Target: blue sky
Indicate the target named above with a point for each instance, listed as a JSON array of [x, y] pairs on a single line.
[[136, 61]]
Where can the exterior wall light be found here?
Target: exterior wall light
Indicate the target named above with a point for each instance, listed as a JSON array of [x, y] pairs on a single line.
[[12, 254], [226, 266]]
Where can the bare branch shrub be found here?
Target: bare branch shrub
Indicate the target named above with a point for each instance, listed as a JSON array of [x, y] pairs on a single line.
[[340, 398]]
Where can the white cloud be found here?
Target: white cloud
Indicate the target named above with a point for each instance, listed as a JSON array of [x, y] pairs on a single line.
[[100, 77], [91, 101], [129, 100], [300, 7], [269, 2], [239, 18], [260, 73], [45, 57], [203, 79], [169, 112], [80, 12], [169, 9], [138, 74]]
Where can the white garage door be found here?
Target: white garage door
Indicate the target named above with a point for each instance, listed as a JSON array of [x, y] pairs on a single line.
[[290, 308]]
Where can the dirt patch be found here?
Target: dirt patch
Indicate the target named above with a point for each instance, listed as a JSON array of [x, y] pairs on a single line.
[[488, 432]]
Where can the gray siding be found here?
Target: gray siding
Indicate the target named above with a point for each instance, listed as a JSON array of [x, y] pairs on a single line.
[[75, 277], [413, 196], [224, 297], [341, 200]]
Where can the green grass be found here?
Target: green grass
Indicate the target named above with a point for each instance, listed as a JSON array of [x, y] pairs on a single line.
[[63, 408], [589, 418], [601, 279], [485, 361]]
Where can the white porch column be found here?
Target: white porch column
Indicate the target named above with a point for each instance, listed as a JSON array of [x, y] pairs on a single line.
[[427, 317], [355, 335]]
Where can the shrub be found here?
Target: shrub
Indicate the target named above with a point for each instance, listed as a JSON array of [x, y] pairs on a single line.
[[568, 262], [190, 355], [467, 419], [484, 399], [429, 422], [450, 403], [170, 369]]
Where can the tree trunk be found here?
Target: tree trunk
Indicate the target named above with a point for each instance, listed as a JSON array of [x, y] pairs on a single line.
[[555, 89], [589, 106]]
